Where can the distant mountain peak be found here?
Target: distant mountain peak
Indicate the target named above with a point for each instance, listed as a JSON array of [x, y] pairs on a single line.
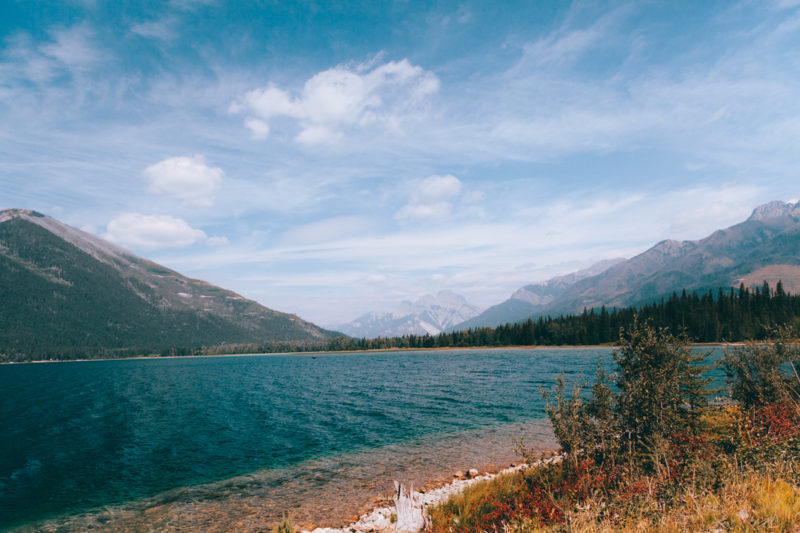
[[529, 299], [429, 314], [776, 209], [670, 247]]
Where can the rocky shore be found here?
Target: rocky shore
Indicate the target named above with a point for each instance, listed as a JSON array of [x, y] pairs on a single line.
[[407, 513]]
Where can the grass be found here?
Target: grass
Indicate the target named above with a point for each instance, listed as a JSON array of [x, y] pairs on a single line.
[[740, 472], [286, 525]]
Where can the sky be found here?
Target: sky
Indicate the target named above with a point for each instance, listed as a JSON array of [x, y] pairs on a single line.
[[333, 158]]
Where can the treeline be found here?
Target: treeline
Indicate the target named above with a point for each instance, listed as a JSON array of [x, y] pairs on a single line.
[[711, 316]]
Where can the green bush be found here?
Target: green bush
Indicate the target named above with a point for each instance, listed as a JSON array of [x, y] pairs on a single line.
[[764, 373], [660, 384], [657, 393]]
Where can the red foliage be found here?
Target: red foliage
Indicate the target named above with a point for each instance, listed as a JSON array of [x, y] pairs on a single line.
[[778, 421], [687, 449]]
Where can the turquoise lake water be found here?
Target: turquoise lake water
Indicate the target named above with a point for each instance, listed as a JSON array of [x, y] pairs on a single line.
[[319, 434]]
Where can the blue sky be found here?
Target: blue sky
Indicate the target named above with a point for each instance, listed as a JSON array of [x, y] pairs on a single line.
[[331, 158]]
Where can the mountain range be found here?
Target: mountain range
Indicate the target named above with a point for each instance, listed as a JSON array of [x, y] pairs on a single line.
[[532, 299], [765, 247], [427, 315], [66, 291]]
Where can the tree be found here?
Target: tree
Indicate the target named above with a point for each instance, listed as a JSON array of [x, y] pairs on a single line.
[[659, 390], [660, 383], [760, 374]]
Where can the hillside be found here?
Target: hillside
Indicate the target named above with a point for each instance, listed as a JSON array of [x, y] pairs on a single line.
[[67, 293], [766, 246], [768, 239], [531, 299]]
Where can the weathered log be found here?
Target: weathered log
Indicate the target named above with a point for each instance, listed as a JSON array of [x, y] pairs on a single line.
[[410, 510]]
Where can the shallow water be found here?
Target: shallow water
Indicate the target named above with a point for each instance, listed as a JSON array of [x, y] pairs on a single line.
[[193, 442]]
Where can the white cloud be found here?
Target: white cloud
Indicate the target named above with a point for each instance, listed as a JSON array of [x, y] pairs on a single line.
[[150, 232], [343, 97], [258, 128], [317, 135], [438, 188], [217, 241], [425, 211], [186, 178], [157, 29], [74, 48], [432, 198], [71, 51]]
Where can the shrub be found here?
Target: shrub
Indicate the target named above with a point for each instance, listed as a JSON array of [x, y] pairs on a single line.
[[660, 385], [659, 390], [570, 419], [761, 374]]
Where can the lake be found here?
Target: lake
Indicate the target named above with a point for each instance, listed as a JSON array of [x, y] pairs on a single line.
[[197, 441]]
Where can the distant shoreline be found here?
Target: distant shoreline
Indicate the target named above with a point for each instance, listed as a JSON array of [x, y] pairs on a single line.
[[375, 350]]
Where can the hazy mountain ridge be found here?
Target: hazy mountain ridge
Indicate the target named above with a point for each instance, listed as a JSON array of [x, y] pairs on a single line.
[[770, 236], [766, 246], [66, 289], [428, 315], [532, 298]]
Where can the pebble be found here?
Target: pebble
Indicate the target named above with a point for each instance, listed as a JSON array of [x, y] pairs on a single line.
[[379, 520]]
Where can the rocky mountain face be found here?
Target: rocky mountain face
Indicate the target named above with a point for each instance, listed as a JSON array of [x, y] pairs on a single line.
[[765, 247], [531, 299], [65, 290], [430, 314], [768, 239]]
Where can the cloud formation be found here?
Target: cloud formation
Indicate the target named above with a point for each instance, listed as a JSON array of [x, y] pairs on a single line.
[[151, 232], [340, 97], [432, 198], [187, 178], [68, 52]]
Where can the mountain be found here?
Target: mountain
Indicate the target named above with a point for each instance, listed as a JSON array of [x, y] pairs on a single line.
[[532, 299], [68, 292], [766, 246], [430, 314]]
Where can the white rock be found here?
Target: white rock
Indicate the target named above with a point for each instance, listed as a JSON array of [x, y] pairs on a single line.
[[410, 509]]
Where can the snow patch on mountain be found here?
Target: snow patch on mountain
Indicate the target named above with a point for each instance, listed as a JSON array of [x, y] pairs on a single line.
[[428, 315]]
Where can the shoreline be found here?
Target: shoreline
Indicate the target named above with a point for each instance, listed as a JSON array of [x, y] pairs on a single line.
[[376, 350], [380, 518], [328, 493]]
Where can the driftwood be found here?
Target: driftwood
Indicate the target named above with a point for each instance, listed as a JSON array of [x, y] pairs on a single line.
[[410, 510]]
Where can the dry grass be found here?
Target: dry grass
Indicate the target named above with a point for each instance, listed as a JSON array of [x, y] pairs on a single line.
[[747, 503], [746, 489], [461, 509]]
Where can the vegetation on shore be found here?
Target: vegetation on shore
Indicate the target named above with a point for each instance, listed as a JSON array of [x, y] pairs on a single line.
[[643, 450], [729, 315]]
